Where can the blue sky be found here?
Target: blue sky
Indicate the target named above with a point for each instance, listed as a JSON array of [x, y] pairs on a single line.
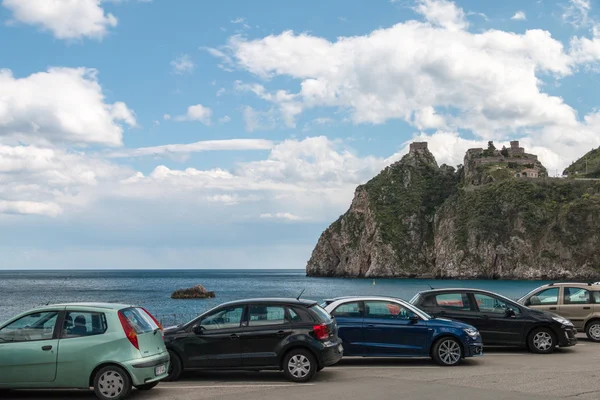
[[195, 134]]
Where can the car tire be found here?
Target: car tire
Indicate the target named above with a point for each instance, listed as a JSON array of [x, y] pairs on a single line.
[[175, 367], [112, 383], [147, 386], [541, 341], [299, 365], [447, 352], [592, 330]]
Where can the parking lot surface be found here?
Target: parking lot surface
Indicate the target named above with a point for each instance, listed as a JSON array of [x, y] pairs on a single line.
[[500, 374]]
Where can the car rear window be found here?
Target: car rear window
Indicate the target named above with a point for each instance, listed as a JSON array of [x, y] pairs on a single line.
[[321, 314], [139, 320]]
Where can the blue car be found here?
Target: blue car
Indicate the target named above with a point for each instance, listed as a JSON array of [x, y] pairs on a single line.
[[391, 327]]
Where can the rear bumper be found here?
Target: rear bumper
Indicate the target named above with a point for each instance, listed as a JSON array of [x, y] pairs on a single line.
[[331, 352], [144, 370], [567, 337]]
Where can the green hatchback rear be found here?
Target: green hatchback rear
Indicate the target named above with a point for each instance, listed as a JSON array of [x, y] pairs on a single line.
[[110, 347]]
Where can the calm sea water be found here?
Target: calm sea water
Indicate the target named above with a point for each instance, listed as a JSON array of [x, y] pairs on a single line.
[[22, 290]]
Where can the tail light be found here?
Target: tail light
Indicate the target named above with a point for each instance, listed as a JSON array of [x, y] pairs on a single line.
[[321, 331], [129, 331], [162, 331]]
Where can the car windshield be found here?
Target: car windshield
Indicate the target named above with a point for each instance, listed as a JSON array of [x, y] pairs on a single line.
[[322, 315]]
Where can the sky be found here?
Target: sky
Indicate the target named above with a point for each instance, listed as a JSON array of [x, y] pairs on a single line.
[[204, 134]]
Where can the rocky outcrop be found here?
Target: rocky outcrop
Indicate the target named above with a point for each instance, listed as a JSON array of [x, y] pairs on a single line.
[[416, 219], [196, 292]]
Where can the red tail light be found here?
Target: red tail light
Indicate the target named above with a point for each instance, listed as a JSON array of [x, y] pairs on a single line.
[[155, 321], [321, 331], [129, 331]]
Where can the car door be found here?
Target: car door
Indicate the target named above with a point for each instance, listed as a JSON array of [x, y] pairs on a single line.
[[389, 330], [545, 299], [349, 319], [215, 339], [453, 305], [29, 349], [264, 331], [501, 321], [576, 306]]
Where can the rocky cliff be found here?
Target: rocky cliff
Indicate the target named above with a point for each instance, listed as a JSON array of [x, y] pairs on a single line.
[[416, 219]]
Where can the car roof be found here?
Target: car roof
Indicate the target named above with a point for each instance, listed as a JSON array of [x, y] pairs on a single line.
[[597, 284], [271, 300], [456, 289], [368, 297], [95, 305]]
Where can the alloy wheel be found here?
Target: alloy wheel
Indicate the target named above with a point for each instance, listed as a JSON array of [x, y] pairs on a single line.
[[111, 384], [542, 341], [594, 331], [299, 366], [449, 352]]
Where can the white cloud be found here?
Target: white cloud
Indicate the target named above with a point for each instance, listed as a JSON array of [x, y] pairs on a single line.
[[577, 13], [206, 145], [519, 16], [197, 112], [60, 105], [442, 13], [182, 64], [280, 215], [433, 75], [238, 20], [221, 92], [225, 119], [167, 117], [65, 19]]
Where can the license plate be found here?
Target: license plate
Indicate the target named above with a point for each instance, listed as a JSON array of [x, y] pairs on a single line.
[[161, 369]]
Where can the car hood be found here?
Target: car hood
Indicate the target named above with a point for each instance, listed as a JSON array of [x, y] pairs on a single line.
[[443, 322], [542, 313]]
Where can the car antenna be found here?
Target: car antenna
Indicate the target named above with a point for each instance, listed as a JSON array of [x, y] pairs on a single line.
[[298, 298], [60, 287], [431, 287]]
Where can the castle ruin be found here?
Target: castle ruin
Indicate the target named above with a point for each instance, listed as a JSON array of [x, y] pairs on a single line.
[[527, 164]]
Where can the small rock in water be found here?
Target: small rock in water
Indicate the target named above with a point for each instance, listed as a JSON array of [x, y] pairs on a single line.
[[196, 292]]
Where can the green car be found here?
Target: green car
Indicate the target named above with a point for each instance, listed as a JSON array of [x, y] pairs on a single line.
[[110, 347]]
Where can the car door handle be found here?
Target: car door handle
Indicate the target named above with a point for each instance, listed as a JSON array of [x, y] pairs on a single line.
[[485, 316], [552, 308], [586, 308], [46, 348], [234, 336], [280, 333], [370, 326]]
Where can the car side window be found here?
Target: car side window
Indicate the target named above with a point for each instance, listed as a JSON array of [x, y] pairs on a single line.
[[83, 323], [494, 305], [385, 310], [546, 297], [453, 301], [294, 316], [348, 310], [34, 326], [596, 295], [266, 315], [573, 295], [223, 319]]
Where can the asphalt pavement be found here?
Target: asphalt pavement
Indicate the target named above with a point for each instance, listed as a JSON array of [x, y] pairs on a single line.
[[501, 374]]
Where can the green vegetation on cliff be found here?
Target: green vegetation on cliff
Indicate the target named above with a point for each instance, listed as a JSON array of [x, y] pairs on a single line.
[[589, 162]]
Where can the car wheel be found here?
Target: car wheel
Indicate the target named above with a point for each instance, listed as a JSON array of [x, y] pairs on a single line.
[[447, 352], [147, 386], [592, 330], [175, 367], [299, 365], [542, 341], [112, 383]]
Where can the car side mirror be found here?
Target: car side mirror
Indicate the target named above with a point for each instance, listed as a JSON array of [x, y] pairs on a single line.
[[198, 329], [510, 313], [413, 318]]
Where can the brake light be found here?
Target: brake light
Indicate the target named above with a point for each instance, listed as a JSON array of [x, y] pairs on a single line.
[[129, 331], [321, 331], [155, 321]]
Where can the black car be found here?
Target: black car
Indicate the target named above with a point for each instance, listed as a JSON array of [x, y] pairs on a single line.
[[296, 336], [500, 320]]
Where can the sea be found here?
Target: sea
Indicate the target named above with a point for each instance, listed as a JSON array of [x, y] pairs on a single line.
[[23, 290]]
